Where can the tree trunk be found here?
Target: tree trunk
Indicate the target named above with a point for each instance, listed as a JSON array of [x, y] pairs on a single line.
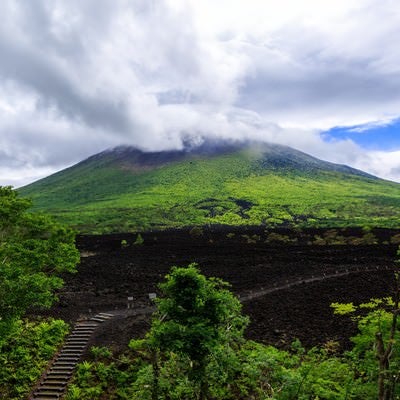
[[203, 381], [383, 354], [156, 375], [383, 363], [203, 389]]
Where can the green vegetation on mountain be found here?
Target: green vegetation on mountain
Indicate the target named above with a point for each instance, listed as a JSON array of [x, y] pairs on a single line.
[[271, 185]]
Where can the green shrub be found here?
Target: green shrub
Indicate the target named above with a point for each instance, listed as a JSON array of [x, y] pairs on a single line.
[[274, 237], [25, 353], [395, 239], [139, 240], [196, 231]]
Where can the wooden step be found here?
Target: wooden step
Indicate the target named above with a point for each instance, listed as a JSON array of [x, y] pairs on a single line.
[[62, 368], [56, 381], [106, 314], [92, 324], [65, 357], [76, 347], [70, 352], [66, 360], [98, 319], [77, 334], [85, 328], [51, 388], [54, 394], [75, 342], [57, 374], [66, 363]]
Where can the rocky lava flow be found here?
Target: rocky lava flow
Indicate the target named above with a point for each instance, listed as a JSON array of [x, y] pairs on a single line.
[[113, 268]]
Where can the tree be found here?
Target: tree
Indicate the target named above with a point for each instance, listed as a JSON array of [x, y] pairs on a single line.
[[34, 251], [376, 352], [195, 317]]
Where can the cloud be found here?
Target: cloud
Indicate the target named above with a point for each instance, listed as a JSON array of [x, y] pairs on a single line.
[[77, 77], [384, 164], [373, 124]]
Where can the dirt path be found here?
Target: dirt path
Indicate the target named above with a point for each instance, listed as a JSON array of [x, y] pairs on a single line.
[[302, 281]]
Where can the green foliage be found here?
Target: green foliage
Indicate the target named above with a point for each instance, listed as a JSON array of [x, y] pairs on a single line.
[[231, 189], [395, 239], [74, 393], [369, 238], [100, 353], [274, 237], [109, 377], [376, 353], [139, 240], [251, 239], [25, 353], [343, 308], [196, 232], [195, 350], [250, 371], [34, 251], [195, 313], [196, 317]]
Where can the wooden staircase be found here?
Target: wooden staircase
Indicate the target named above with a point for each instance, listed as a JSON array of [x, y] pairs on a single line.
[[57, 376]]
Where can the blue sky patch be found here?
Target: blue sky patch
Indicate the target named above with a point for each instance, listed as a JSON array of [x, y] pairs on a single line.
[[386, 137]]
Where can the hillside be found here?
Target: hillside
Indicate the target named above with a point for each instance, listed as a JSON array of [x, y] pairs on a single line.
[[125, 189]]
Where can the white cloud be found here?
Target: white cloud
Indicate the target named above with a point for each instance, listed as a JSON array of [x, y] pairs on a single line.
[[384, 164], [77, 77], [24, 175], [372, 125]]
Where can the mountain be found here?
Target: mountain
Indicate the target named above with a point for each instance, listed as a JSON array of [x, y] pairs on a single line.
[[125, 189]]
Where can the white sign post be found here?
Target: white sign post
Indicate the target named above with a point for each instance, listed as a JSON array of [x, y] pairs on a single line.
[[152, 296]]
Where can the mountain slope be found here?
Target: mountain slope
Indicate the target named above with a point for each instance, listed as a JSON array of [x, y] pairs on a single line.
[[219, 183]]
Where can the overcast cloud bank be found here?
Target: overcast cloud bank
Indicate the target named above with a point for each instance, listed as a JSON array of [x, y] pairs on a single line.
[[77, 77]]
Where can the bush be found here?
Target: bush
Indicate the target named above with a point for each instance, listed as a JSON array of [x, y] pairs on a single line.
[[196, 232], [139, 240], [34, 251], [25, 353]]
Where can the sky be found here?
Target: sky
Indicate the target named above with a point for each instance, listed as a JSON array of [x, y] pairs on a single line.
[[80, 76]]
